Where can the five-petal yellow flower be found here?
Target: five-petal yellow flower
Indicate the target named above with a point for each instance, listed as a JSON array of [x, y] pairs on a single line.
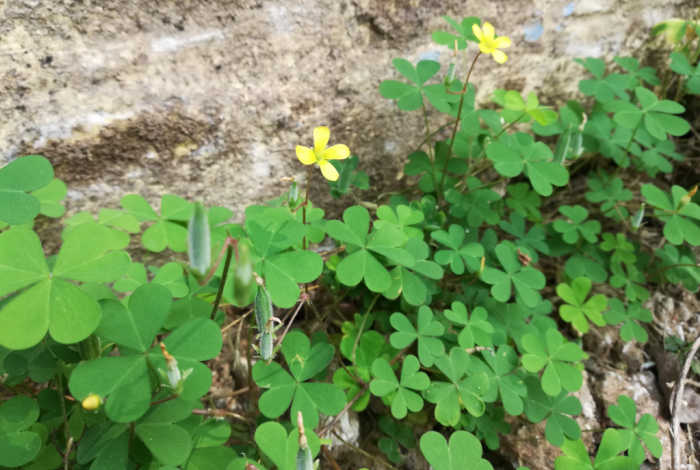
[[489, 44], [320, 154]]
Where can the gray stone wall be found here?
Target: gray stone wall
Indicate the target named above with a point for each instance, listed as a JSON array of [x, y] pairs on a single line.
[[208, 98]]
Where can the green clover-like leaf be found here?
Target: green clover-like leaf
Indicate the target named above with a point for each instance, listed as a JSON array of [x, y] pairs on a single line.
[[403, 397], [608, 456], [169, 229], [555, 355], [459, 252], [526, 279], [609, 192], [463, 35], [681, 65], [676, 212], [557, 410], [463, 448], [362, 264], [578, 310], [18, 444], [477, 328], [427, 334], [49, 302], [17, 179], [606, 88], [281, 448], [635, 433], [304, 363], [588, 230], [658, 116], [461, 391], [125, 381], [631, 319], [512, 389]]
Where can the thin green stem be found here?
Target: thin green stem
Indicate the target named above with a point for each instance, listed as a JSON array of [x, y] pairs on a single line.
[[61, 394], [306, 203], [500, 133], [439, 192], [362, 327], [303, 216], [634, 132], [427, 136], [303, 300], [435, 132], [215, 266], [679, 265], [224, 274]]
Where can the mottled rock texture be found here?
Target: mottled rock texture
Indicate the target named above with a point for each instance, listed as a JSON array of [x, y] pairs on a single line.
[[207, 98]]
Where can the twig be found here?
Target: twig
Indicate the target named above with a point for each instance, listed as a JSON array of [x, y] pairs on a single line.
[[373, 458], [330, 458], [220, 414], [236, 321], [676, 400], [302, 301], [693, 383], [336, 418], [163, 400], [67, 454]]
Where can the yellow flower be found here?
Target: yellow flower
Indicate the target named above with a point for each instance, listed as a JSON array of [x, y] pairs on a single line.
[[320, 154], [91, 402], [489, 44]]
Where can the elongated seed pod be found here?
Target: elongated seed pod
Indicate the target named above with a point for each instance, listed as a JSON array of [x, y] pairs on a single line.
[[90, 348], [263, 308], [304, 459], [637, 218], [199, 240], [267, 340], [243, 280], [263, 318]]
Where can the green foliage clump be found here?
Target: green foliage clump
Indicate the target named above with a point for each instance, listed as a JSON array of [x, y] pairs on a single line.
[[450, 286]]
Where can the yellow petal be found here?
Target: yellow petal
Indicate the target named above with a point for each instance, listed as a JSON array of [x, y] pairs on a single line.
[[336, 152], [476, 29], [502, 41], [321, 136], [488, 30], [499, 56], [328, 170], [305, 155], [486, 47]]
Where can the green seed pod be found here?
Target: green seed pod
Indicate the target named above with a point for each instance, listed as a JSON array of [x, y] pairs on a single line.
[[304, 459], [637, 218], [263, 309], [90, 348], [199, 240], [267, 340], [293, 199], [263, 318], [243, 280]]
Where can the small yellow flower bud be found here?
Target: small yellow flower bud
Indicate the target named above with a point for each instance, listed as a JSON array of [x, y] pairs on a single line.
[[91, 402], [483, 264]]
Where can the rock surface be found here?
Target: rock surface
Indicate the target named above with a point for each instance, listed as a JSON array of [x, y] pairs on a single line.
[[207, 99]]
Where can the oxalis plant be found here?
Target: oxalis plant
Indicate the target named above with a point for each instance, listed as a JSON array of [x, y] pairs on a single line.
[[471, 291]]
